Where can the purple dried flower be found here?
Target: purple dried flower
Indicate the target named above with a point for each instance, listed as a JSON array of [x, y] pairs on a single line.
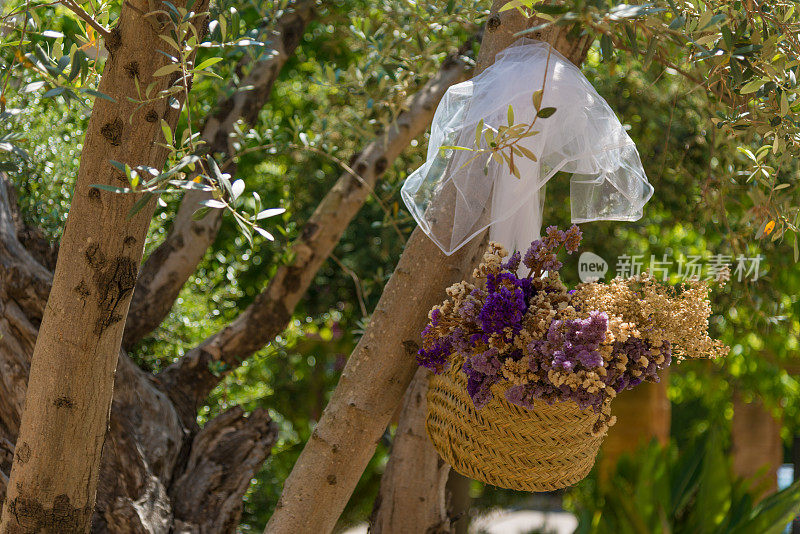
[[486, 362], [502, 309], [513, 262], [436, 357], [554, 237], [570, 347], [479, 385], [522, 395], [571, 343], [469, 310], [635, 373], [541, 255], [532, 255], [550, 263]]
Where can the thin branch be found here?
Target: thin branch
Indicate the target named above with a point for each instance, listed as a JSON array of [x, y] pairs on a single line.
[[671, 65], [169, 267], [75, 8], [359, 291], [341, 163]]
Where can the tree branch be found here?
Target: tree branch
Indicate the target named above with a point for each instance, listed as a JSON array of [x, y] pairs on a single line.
[[169, 267], [226, 455], [75, 8], [190, 380]]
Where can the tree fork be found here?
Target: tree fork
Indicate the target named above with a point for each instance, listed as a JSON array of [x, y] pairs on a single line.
[[383, 363], [54, 475]]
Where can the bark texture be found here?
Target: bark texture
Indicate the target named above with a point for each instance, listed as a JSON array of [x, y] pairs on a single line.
[[383, 363], [189, 379], [169, 266], [757, 446], [208, 496], [642, 414]]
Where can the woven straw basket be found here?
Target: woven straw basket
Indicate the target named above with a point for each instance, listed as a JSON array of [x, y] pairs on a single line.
[[543, 449]]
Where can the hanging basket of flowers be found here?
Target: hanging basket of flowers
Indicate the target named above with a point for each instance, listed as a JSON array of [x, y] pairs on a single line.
[[526, 370]]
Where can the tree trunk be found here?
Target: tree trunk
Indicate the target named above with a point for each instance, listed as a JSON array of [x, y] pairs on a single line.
[[384, 361], [412, 502], [147, 446], [642, 414], [757, 448], [54, 476], [458, 502]]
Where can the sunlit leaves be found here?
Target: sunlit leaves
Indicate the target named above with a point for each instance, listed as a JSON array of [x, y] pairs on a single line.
[[752, 86], [744, 55], [264, 214]]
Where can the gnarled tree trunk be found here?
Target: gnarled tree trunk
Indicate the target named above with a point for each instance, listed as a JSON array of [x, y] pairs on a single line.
[[57, 460]]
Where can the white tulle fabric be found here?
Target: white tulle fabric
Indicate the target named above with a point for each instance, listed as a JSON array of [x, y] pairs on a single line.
[[453, 200]]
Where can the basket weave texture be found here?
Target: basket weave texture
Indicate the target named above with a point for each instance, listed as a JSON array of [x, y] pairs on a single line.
[[544, 449]]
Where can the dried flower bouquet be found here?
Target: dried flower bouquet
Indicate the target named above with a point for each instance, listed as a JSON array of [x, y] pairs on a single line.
[[546, 344]]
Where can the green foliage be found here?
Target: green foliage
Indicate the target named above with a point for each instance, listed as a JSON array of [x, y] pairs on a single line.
[[662, 491], [44, 156], [699, 208]]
